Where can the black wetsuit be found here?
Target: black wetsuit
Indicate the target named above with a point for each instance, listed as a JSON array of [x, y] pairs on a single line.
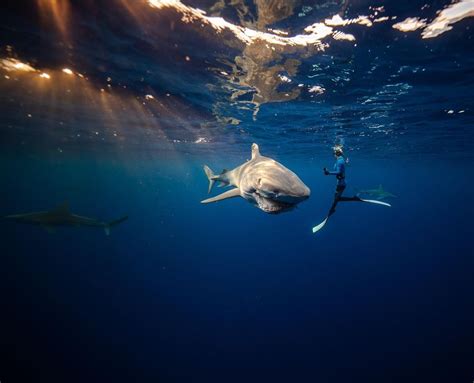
[[340, 173]]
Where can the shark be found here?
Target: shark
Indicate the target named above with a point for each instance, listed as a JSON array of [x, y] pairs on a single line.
[[263, 182], [377, 193], [62, 216]]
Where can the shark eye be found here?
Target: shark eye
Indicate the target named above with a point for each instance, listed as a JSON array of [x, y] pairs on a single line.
[[259, 182]]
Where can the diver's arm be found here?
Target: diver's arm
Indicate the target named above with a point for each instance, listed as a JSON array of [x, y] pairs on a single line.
[[336, 172]]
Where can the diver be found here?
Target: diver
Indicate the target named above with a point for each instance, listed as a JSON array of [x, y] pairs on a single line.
[[340, 173]]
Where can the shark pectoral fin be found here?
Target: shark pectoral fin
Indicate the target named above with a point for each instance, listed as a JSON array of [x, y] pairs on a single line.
[[49, 229], [228, 194]]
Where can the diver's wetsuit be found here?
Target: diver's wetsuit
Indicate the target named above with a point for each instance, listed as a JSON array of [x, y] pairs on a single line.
[[340, 173]]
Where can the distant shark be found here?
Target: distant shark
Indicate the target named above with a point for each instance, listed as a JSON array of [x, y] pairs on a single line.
[[377, 193], [61, 216], [263, 182]]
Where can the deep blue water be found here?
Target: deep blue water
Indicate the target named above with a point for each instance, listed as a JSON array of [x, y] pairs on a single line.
[[185, 292]]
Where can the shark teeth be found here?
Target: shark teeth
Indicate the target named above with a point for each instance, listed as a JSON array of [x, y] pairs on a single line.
[[271, 206]]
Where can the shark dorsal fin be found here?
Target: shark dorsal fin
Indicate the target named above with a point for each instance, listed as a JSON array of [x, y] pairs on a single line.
[[62, 208], [255, 151]]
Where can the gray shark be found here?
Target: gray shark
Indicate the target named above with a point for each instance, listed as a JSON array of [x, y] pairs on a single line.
[[263, 182], [61, 216], [377, 193]]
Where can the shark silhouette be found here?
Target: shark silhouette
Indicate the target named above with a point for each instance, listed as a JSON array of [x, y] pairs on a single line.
[[378, 193], [61, 216]]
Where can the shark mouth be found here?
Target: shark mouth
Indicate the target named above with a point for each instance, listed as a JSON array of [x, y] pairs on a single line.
[[272, 206]]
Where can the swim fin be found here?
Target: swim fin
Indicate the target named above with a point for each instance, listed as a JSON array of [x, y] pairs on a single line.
[[320, 226], [377, 202]]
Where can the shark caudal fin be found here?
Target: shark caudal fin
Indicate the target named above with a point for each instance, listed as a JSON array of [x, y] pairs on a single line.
[[210, 176], [111, 224]]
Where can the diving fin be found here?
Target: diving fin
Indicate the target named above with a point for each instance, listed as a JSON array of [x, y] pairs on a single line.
[[320, 226], [228, 194], [377, 202]]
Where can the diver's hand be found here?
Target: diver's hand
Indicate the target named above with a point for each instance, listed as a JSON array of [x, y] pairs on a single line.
[[326, 171]]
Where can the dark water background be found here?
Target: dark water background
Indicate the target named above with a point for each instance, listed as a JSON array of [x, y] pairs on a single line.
[[184, 292]]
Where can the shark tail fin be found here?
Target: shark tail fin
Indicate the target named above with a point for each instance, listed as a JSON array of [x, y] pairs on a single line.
[[210, 176], [111, 224]]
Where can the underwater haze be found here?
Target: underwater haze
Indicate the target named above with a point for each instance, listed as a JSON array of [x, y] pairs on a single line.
[[111, 108]]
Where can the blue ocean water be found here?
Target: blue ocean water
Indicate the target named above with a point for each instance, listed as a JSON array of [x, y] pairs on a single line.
[[114, 106]]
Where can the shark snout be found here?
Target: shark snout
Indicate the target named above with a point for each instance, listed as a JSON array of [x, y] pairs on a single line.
[[297, 195], [305, 191], [294, 194]]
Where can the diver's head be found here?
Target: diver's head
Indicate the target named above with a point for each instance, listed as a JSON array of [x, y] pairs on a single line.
[[338, 150]]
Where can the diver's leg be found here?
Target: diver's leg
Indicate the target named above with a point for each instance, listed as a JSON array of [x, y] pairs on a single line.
[[337, 198], [349, 199], [337, 195], [333, 207]]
